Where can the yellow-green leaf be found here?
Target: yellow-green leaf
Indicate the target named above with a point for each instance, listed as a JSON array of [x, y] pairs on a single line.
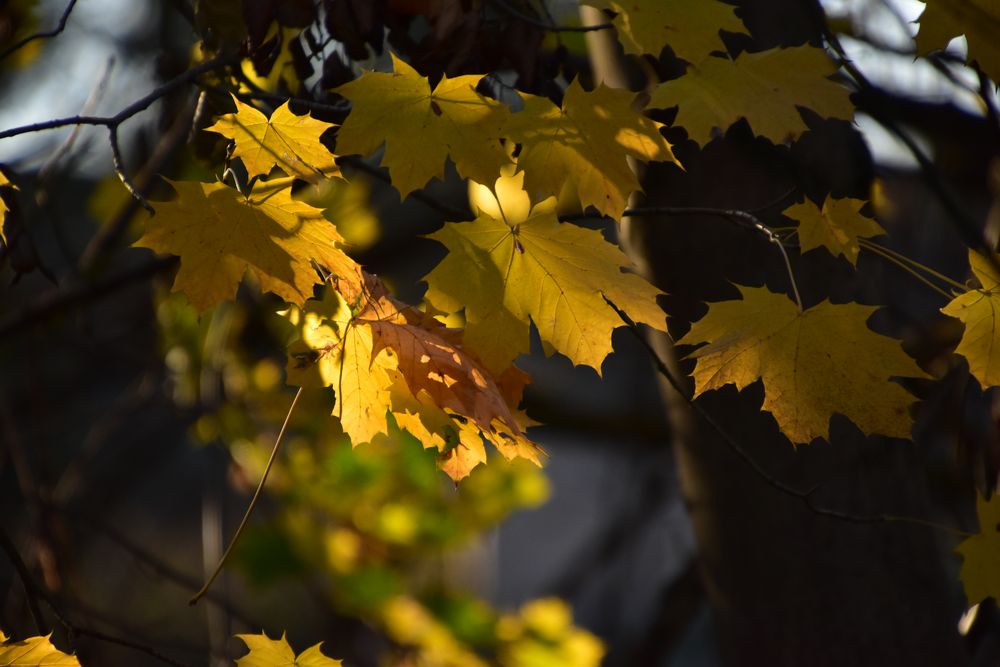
[[836, 227], [291, 142], [420, 128], [981, 554], [978, 20], [765, 88], [5, 184], [220, 235], [505, 271], [33, 652], [586, 142], [978, 310], [691, 29], [267, 652], [814, 364]]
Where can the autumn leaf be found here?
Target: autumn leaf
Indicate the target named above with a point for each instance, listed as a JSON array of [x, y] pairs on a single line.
[[587, 142], [6, 187], [691, 29], [977, 309], [836, 227], [505, 271], [267, 652], [765, 88], [981, 553], [291, 142], [978, 20], [390, 358], [33, 652], [420, 128], [220, 235], [814, 364]]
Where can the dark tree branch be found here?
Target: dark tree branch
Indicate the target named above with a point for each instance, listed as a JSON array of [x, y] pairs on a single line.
[[30, 589], [44, 34]]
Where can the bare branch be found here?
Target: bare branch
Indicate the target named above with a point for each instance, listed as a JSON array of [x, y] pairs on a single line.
[[116, 158], [44, 34], [530, 20]]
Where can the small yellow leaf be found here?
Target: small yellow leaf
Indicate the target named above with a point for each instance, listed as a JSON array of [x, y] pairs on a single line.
[[220, 235], [836, 227], [978, 309], [980, 573], [291, 142], [691, 29], [978, 20], [765, 88], [815, 364], [586, 142], [33, 652], [267, 652], [420, 128], [5, 185], [504, 273]]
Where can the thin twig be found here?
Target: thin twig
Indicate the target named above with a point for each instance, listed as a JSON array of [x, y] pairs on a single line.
[[806, 497], [253, 502], [521, 16], [44, 34], [116, 159]]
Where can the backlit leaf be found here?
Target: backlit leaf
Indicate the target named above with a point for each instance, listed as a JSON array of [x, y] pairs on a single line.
[[978, 20], [420, 128], [814, 364], [5, 187], [291, 142], [33, 652], [691, 29], [981, 553], [587, 142], [267, 652], [978, 310], [765, 88], [836, 227], [220, 235], [503, 272]]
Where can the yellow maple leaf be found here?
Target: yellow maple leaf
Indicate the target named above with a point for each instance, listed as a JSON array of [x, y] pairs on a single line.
[[978, 309], [978, 20], [505, 270], [836, 227], [420, 128], [980, 573], [220, 235], [765, 88], [267, 652], [586, 142], [386, 357], [814, 364], [33, 652], [5, 184], [291, 142], [691, 29]]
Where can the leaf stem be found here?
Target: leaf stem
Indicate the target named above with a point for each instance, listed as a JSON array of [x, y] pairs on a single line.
[[253, 502], [909, 265]]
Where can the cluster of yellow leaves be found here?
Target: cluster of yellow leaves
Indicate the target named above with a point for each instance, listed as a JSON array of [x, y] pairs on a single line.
[[543, 635], [267, 652], [33, 652]]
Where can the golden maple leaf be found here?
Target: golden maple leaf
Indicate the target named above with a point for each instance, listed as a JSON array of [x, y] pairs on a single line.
[[32, 652], [978, 20], [291, 142], [587, 142], [836, 227], [505, 271], [691, 29], [978, 310], [220, 235], [813, 364], [765, 88], [267, 652], [981, 553], [420, 128]]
